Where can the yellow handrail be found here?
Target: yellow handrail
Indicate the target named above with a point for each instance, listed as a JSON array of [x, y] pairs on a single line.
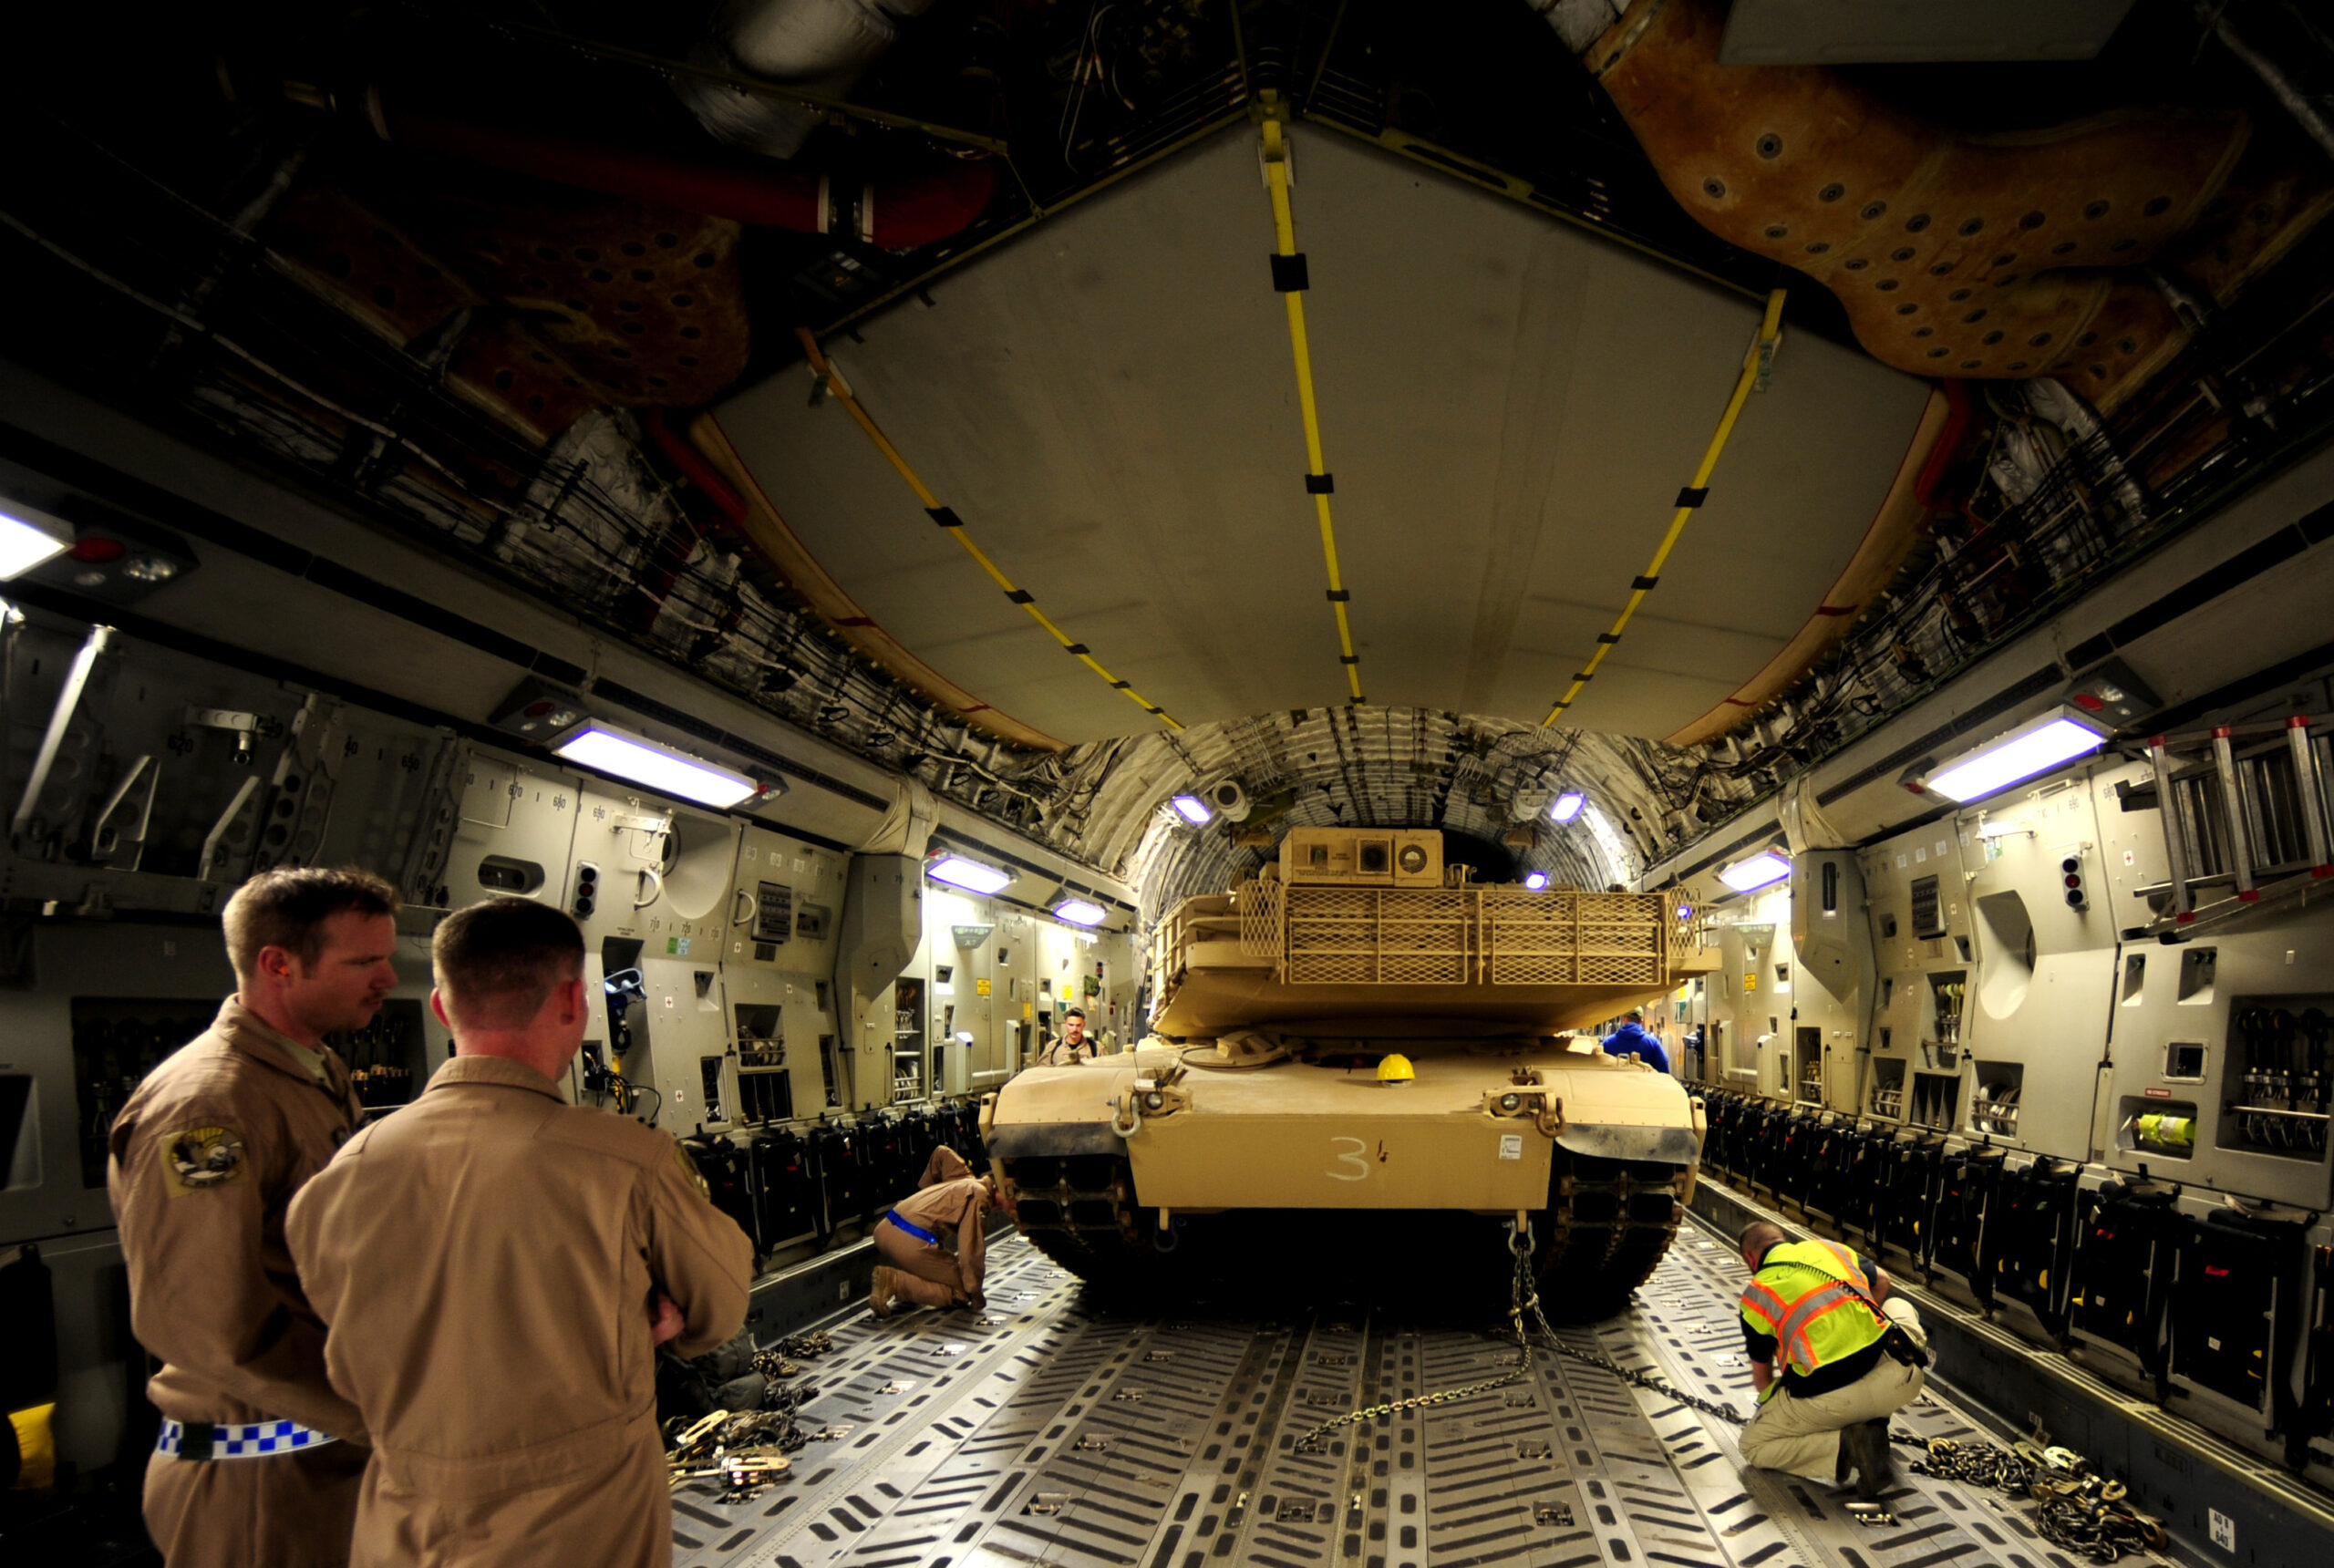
[[840, 391], [1290, 281], [1754, 370]]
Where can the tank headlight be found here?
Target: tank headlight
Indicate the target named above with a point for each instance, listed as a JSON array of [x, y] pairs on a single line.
[[1155, 1101], [1510, 1102]]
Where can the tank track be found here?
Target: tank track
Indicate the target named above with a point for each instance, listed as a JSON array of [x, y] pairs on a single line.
[[1604, 1230], [1079, 1211]]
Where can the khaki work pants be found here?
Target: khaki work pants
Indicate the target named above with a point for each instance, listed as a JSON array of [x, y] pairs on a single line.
[[1803, 1435], [286, 1510], [615, 1516], [928, 1274]]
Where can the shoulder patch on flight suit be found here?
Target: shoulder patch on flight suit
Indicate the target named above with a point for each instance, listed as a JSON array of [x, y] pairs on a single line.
[[688, 1168], [202, 1158]]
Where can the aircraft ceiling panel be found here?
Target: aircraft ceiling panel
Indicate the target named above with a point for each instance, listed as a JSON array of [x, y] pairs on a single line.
[[1509, 406]]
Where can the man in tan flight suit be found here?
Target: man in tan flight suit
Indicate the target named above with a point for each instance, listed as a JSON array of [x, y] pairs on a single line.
[[1073, 1048], [948, 1199], [497, 1268], [259, 1460]]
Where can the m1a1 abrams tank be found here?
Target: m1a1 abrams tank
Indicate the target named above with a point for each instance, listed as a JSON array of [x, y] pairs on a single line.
[[1355, 1048]]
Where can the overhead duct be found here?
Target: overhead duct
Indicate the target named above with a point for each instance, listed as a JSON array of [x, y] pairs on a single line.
[[2003, 256], [896, 215], [820, 46]]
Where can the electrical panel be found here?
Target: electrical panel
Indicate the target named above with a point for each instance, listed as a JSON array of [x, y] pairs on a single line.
[[773, 913], [2223, 1065]]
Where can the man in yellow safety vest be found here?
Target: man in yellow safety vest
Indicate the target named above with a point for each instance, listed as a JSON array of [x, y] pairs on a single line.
[[1851, 1354]]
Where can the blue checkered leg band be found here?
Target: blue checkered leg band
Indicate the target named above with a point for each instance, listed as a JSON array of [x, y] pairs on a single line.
[[249, 1440]]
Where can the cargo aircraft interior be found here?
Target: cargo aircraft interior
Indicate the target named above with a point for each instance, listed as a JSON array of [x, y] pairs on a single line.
[[1374, 675]]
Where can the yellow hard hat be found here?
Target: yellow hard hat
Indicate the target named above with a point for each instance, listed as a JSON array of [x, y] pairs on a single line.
[[1395, 1068]]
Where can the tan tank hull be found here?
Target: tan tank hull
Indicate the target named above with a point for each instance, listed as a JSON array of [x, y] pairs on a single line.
[[1295, 1135]]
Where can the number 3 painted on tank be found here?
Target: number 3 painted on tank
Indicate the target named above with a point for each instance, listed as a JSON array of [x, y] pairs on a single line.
[[1360, 1166]]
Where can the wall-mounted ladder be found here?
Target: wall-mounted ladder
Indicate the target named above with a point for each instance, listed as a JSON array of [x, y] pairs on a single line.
[[2244, 814]]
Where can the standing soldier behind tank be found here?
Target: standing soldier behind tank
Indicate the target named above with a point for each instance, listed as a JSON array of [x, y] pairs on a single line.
[[1073, 1048], [1633, 1039], [498, 1267], [259, 1459], [911, 1239]]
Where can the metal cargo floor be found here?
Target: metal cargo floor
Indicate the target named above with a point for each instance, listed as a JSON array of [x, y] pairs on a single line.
[[1048, 1431]]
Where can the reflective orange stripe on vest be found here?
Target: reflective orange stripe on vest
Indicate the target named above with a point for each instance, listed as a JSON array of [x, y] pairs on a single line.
[[1790, 1322]]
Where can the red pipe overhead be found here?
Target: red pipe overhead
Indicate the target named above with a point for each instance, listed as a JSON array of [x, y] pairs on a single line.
[[692, 462], [896, 215], [1928, 489]]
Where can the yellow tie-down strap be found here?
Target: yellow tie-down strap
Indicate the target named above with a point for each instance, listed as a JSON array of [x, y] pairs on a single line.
[[1755, 366], [1290, 282], [830, 382]]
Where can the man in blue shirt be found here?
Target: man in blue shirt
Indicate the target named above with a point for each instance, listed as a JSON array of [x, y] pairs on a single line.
[[1632, 1041]]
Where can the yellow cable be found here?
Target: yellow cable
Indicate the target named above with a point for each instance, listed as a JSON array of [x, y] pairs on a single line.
[[840, 391], [1754, 365], [1285, 234]]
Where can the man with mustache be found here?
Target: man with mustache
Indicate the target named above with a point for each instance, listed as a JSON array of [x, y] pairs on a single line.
[[1073, 1048], [259, 1460]]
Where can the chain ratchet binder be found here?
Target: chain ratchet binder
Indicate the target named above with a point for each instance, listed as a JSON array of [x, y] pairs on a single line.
[[745, 1450], [2076, 1508]]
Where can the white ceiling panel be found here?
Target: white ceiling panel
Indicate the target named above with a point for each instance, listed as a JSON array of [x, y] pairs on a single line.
[[1509, 406]]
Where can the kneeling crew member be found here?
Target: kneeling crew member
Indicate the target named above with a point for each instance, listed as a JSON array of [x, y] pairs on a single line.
[[498, 1267], [912, 1240], [1844, 1343], [259, 1459]]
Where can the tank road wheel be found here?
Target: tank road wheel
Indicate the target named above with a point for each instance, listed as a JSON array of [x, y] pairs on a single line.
[[1607, 1223], [1079, 1211]]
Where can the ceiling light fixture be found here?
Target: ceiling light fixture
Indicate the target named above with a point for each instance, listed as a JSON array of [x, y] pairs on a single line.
[[2034, 747], [1081, 912], [29, 536], [1566, 806], [1194, 810], [607, 749], [1536, 880], [970, 875], [1761, 870]]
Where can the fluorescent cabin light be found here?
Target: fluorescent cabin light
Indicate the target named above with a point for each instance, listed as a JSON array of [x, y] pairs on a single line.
[[970, 875], [28, 538], [1194, 810], [2034, 747], [660, 767], [1536, 880], [1566, 806], [1079, 912], [1760, 871]]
